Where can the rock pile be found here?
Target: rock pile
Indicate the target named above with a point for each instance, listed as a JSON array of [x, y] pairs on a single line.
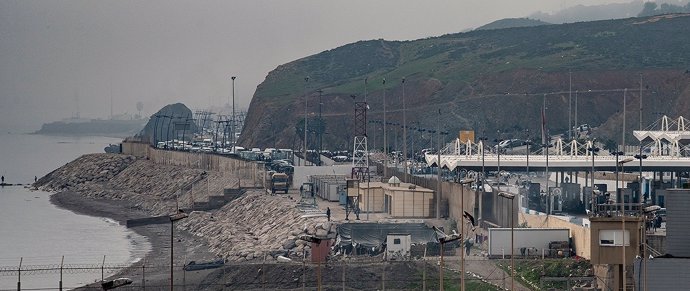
[[92, 168], [257, 226], [254, 226]]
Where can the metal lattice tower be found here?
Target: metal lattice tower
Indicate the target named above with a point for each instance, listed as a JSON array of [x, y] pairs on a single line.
[[360, 153]]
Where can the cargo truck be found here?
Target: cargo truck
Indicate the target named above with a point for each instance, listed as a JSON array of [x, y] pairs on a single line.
[[280, 182]]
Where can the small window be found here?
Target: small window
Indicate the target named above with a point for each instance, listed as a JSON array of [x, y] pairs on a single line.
[[613, 237], [396, 241]]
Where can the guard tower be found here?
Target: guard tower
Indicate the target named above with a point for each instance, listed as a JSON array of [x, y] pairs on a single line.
[[616, 237]]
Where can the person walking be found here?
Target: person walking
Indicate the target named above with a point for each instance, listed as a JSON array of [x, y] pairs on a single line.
[[328, 213]]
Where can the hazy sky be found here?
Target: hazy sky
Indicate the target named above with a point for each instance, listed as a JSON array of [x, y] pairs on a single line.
[[60, 57]]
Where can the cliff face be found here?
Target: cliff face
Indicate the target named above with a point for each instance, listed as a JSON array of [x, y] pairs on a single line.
[[481, 80], [231, 231]]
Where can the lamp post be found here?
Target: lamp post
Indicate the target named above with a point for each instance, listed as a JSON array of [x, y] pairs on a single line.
[[320, 127], [511, 197], [498, 141], [528, 142], [385, 135], [438, 162], [549, 201], [233, 113], [404, 130], [306, 81], [462, 231], [641, 157], [173, 218], [592, 149], [622, 205]]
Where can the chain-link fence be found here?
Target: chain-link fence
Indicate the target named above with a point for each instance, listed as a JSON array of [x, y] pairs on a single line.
[[341, 275]]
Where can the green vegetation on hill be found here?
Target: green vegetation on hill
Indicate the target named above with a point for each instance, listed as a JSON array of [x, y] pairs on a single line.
[[485, 80]]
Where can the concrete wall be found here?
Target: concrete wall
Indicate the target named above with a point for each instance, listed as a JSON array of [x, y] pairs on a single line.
[[453, 192], [250, 172], [580, 235]]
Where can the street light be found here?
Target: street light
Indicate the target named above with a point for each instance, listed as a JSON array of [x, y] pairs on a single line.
[[404, 131], [641, 200], [306, 82], [233, 113], [592, 149], [320, 126], [498, 141], [622, 203], [173, 218], [462, 231], [511, 197], [528, 142], [161, 220]]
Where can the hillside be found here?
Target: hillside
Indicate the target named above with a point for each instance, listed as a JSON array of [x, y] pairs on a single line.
[[484, 80]]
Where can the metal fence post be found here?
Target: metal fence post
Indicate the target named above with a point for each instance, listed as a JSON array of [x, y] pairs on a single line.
[[103, 269], [143, 276], [343, 276], [19, 274], [61, 265], [383, 277]]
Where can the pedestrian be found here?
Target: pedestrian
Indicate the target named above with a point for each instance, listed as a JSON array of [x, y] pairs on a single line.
[[328, 213], [35, 179], [3, 179]]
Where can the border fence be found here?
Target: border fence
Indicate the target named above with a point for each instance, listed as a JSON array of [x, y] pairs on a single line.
[[340, 275]]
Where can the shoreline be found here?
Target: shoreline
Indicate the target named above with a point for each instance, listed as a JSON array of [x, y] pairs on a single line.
[[156, 236]]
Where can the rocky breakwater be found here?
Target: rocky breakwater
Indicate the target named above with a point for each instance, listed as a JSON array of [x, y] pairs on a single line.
[[85, 170], [259, 226], [254, 226]]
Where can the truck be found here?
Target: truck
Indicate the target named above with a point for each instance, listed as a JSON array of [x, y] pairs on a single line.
[[280, 181]]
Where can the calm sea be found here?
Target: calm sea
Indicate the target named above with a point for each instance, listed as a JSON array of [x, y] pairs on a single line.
[[40, 234]]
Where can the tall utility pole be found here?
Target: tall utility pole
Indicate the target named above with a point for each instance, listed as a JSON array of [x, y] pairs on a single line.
[[385, 140], [438, 164], [306, 81], [625, 93], [640, 101], [570, 102], [404, 131], [320, 127], [576, 124], [233, 113]]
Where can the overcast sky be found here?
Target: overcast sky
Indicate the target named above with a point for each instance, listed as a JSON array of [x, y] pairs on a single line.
[[59, 57]]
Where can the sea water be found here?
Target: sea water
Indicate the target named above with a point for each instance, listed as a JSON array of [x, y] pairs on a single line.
[[39, 234]]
